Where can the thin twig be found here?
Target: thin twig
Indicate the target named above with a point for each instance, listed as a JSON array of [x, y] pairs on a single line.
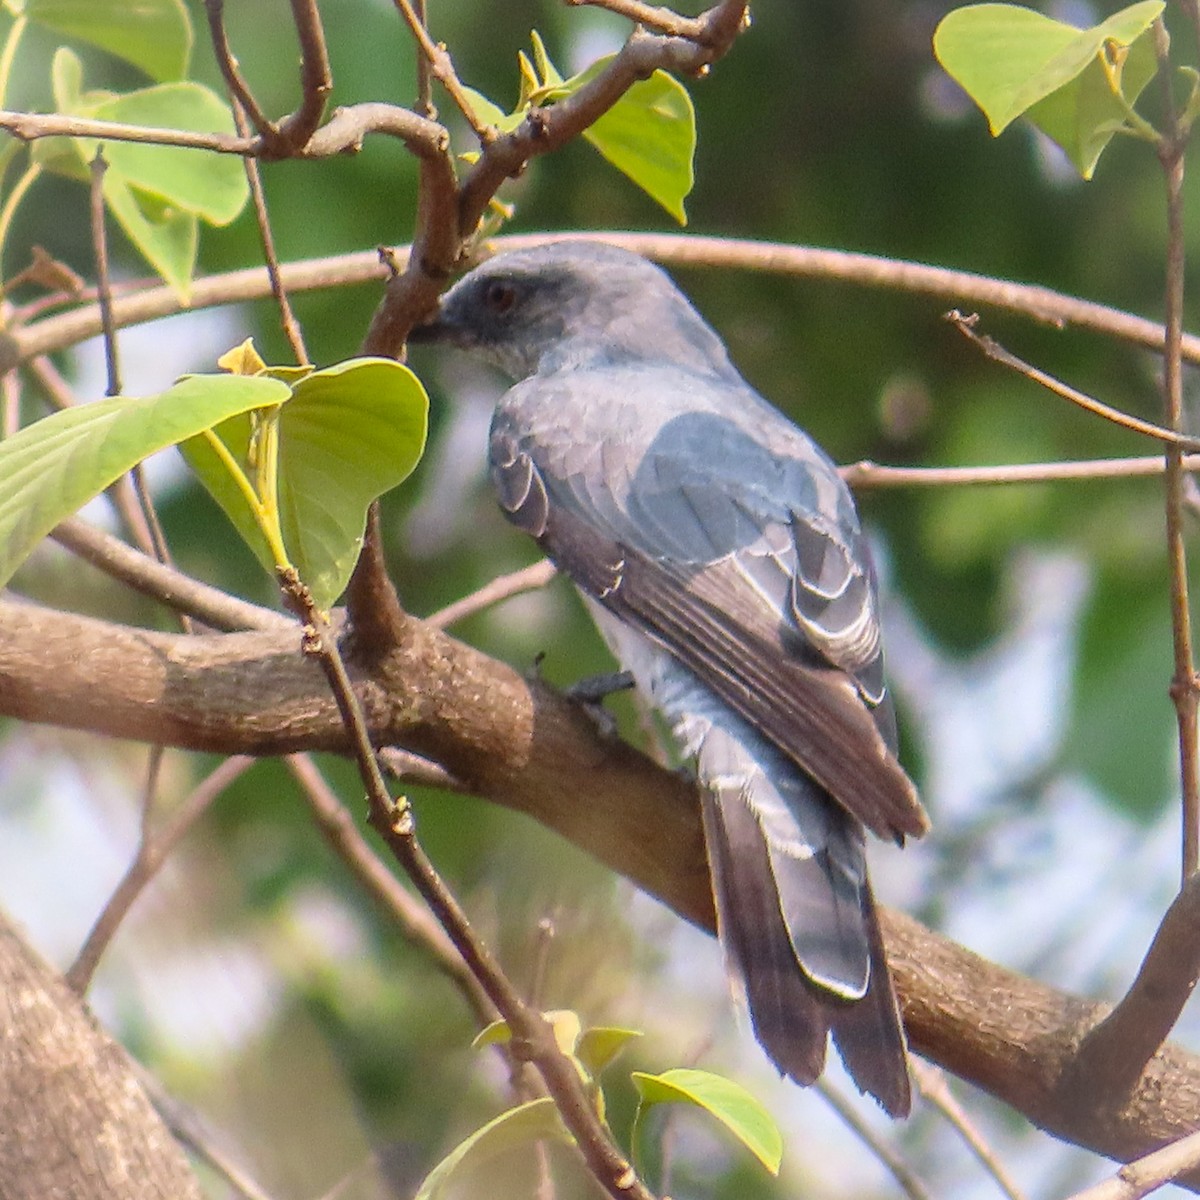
[[443, 69], [997, 353], [900, 1171], [1040, 304], [235, 84], [287, 316], [1145, 1175], [153, 850], [1184, 690], [104, 289], [165, 584], [407, 767], [424, 78], [661, 20], [931, 1083], [865, 475], [316, 78], [155, 542], [394, 823], [527, 579], [10, 404], [189, 1128]]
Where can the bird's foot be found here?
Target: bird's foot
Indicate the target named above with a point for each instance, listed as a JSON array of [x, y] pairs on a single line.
[[590, 694]]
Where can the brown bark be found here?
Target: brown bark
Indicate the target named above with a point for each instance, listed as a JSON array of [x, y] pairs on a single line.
[[73, 1120], [522, 745]]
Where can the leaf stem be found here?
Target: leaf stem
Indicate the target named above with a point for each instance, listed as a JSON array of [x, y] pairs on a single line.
[[266, 519]]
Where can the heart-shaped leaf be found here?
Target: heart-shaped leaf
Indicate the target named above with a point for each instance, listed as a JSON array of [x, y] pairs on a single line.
[[348, 434], [1013, 61]]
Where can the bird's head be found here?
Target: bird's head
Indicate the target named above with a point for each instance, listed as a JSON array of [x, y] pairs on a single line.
[[569, 303]]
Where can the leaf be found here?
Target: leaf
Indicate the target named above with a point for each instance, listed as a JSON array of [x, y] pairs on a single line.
[[1010, 59], [601, 1044], [729, 1102], [50, 469], [487, 113], [212, 186], [153, 35], [563, 1021], [536, 1121], [348, 434], [648, 135], [156, 193], [1083, 116], [166, 238]]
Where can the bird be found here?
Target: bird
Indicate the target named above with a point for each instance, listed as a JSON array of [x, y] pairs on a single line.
[[723, 560]]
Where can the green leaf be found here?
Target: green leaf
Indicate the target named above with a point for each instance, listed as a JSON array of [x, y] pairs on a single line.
[[1083, 116], [536, 1121], [1009, 58], [729, 1102], [563, 1021], [487, 113], [51, 468], [153, 35], [648, 135], [156, 193], [598, 1046], [349, 433], [211, 186]]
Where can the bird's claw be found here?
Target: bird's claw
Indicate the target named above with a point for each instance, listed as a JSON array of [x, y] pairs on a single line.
[[591, 692]]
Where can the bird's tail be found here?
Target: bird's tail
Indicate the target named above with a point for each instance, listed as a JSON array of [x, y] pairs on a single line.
[[797, 918]]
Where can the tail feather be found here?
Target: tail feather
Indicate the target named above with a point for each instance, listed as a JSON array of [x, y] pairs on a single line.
[[789, 1019], [800, 930], [869, 1034]]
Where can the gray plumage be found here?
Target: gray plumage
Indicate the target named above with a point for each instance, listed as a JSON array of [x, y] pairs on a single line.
[[723, 560]]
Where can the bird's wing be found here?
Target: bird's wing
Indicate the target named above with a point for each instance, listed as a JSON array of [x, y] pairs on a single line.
[[743, 560]]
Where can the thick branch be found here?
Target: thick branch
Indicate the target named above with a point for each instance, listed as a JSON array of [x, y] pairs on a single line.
[[73, 1120], [526, 747]]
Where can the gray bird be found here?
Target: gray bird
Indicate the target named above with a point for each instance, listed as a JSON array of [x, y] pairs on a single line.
[[722, 558]]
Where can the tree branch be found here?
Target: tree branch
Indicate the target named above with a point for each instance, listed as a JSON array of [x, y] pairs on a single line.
[[1040, 304], [526, 747], [65, 1085]]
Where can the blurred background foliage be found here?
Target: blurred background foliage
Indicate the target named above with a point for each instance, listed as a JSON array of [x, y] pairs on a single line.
[[1029, 627]]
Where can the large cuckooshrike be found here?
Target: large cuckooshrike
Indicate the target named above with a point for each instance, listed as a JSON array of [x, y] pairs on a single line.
[[722, 558]]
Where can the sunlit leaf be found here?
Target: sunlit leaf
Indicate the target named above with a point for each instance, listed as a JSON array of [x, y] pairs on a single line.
[[1013, 61], [348, 434], [648, 135], [599, 1045], [50, 469], [723, 1099]]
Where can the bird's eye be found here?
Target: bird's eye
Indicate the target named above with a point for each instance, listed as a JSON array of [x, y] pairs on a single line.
[[499, 297]]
